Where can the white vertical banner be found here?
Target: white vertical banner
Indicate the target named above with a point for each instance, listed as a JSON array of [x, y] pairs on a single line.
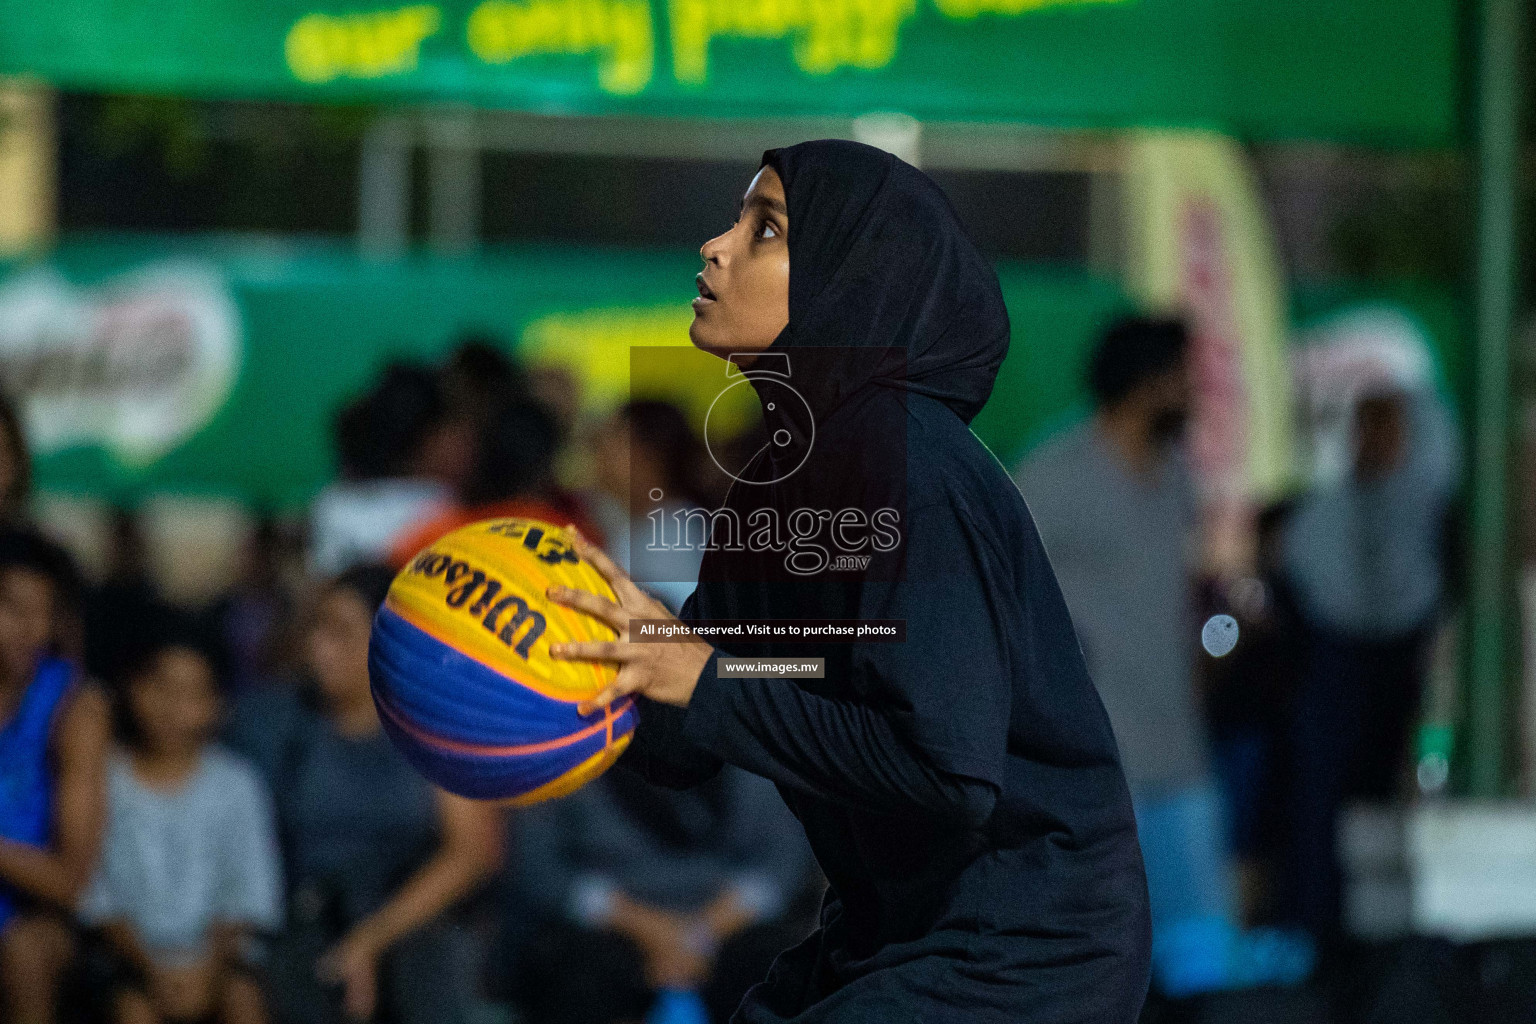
[[1201, 246]]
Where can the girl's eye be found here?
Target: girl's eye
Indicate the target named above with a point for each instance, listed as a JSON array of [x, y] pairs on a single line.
[[767, 231]]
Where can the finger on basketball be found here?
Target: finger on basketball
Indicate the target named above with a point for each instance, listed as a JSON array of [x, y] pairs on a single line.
[[599, 560], [598, 607], [614, 691], [592, 650]]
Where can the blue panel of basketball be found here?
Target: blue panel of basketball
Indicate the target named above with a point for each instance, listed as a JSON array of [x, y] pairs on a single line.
[[482, 706], [491, 776]]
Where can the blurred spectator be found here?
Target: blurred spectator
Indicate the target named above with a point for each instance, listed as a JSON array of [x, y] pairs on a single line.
[[189, 865], [15, 466], [559, 389], [375, 856], [1365, 558], [647, 460], [252, 618], [1248, 697], [478, 378], [126, 602], [52, 776], [1115, 506], [638, 889], [389, 445], [513, 476]]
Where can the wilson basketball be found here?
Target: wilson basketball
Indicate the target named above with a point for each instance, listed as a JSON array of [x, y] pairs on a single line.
[[461, 672]]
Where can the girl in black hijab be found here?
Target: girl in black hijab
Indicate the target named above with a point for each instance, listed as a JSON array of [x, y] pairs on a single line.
[[961, 787]]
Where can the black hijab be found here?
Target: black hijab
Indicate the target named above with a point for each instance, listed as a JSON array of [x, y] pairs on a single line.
[[885, 288], [878, 259]]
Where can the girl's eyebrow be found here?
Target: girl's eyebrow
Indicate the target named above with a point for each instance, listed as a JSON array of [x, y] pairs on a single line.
[[761, 200]]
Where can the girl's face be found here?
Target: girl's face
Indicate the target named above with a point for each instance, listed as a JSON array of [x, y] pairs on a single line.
[[175, 702], [743, 300], [338, 647]]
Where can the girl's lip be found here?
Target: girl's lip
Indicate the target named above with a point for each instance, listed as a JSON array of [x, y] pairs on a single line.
[[702, 301]]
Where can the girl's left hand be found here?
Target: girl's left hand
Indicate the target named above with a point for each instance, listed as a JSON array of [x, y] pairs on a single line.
[[665, 672]]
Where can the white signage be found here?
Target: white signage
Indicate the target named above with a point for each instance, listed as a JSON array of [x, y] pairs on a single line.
[[136, 365]]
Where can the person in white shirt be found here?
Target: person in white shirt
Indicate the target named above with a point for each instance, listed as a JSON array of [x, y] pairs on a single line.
[[190, 870]]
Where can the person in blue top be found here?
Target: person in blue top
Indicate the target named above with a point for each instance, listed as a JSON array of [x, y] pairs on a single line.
[[53, 744]]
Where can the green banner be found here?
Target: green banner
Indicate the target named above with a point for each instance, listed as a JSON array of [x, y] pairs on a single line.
[[214, 366], [1379, 70]]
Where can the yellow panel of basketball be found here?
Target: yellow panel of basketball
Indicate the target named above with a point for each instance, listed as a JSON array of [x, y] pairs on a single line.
[[481, 591], [574, 779]]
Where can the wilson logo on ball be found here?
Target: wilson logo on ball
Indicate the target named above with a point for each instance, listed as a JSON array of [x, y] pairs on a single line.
[[503, 618]]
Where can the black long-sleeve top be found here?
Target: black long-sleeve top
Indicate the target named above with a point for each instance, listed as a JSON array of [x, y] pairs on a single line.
[[960, 789]]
